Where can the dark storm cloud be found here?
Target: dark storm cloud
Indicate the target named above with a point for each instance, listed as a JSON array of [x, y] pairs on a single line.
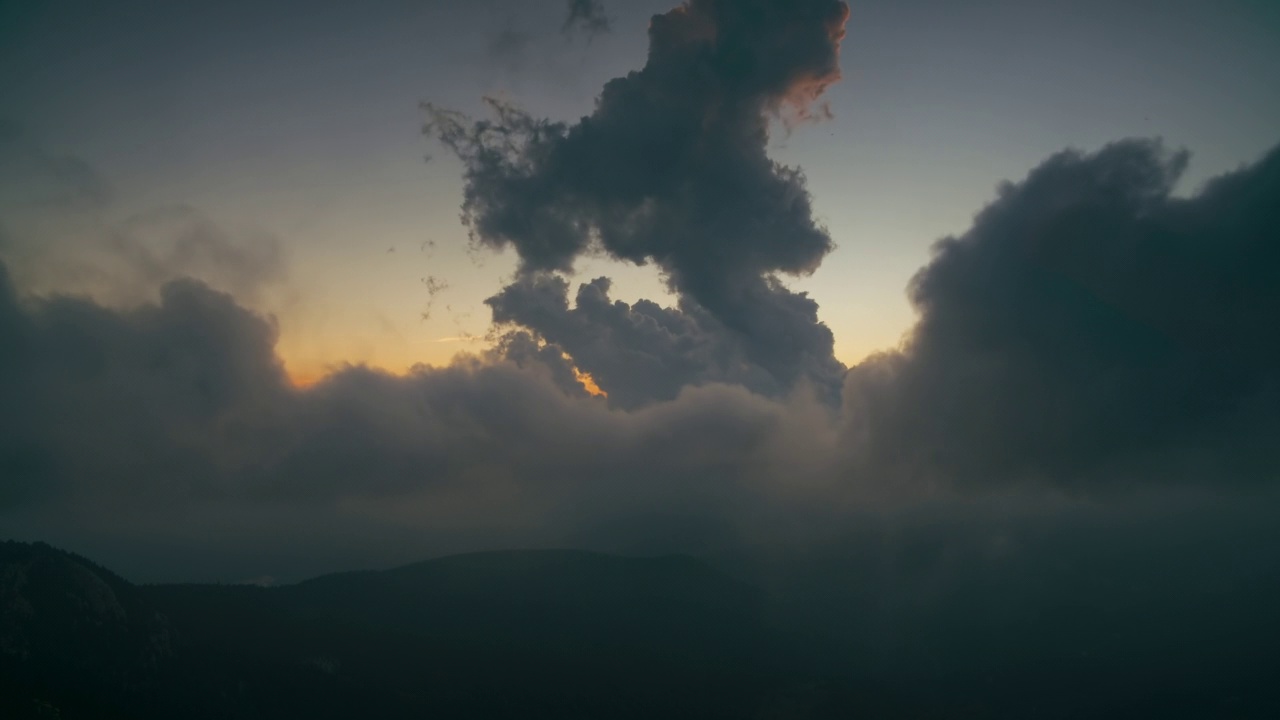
[[636, 353], [126, 401], [586, 16], [181, 409], [1090, 324], [672, 168], [165, 441], [527, 352], [1090, 332], [1093, 344]]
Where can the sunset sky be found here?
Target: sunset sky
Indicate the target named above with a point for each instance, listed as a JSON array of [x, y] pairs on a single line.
[[300, 123], [281, 292]]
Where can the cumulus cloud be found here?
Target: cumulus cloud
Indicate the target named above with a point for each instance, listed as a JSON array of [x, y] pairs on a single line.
[[1093, 350], [671, 168], [1091, 342], [181, 405], [117, 400], [1090, 321], [1067, 471], [637, 353]]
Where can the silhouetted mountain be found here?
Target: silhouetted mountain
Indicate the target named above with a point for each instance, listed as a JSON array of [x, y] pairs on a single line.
[[559, 634], [565, 634], [512, 634], [75, 639]]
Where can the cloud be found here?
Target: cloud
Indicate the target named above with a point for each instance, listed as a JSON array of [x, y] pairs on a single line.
[[1092, 347], [1027, 424], [180, 409], [63, 233], [36, 178], [637, 353], [1091, 323], [124, 400], [1091, 387], [1068, 469], [671, 168], [586, 16], [179, 241]]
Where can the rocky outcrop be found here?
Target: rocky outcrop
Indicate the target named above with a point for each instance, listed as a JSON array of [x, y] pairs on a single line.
[[71, 629]]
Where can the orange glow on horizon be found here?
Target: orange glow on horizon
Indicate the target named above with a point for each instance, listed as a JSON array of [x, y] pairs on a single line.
[[302, 380], [305, 378], [305, 375]]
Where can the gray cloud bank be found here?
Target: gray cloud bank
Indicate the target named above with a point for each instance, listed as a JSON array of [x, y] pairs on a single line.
[[1091, 342], [1089, 319], [1093, 345]]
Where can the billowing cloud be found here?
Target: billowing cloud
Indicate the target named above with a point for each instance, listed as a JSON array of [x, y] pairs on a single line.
[[123, 400], [1091, 324], [1067, 471], [1093, 368], [181, 407], [671, 168], [165, 436], [638, 353], [1091, 333]]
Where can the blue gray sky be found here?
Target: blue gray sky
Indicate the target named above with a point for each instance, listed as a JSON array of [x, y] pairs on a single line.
[[301, 121]]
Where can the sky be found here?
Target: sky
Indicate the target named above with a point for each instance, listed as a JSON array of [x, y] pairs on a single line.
[[302, 122], [292, 287]]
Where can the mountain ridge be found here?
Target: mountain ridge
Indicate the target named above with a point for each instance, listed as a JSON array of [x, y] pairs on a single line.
[[575, 633]]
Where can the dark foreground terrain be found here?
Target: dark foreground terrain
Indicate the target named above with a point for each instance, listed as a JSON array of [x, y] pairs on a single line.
[[563, 634]]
